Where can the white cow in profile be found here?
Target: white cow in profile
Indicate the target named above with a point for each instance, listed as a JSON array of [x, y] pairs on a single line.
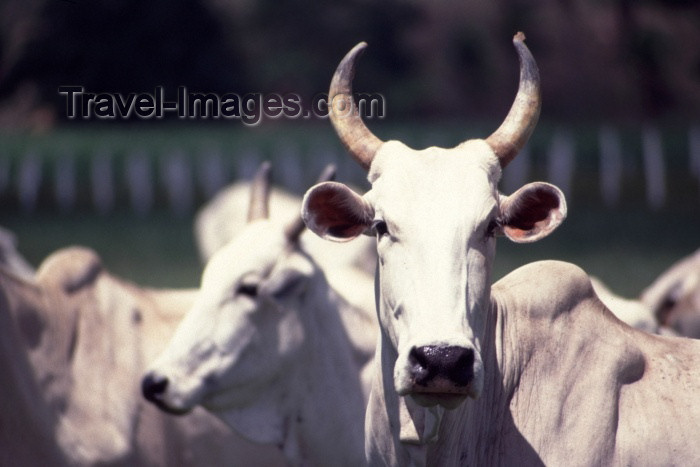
[[75, 342], [532, 371], [271, 348]]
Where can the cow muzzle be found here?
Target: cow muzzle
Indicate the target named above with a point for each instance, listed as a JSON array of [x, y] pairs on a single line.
[[154, 388], [441, 374]]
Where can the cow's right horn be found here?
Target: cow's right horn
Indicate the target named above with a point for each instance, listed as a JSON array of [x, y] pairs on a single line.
[[520, 122], [260, 194], [344, 115]]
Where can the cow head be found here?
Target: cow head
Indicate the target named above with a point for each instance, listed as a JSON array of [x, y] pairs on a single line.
[[436, 214], [246, 326]]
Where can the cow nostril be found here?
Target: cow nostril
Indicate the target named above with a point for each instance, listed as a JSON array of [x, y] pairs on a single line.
[[419, 364], [153, 386], [462, 370], [453, 363]]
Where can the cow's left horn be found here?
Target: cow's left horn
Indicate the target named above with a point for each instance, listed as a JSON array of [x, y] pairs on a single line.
[[297, 226], [260, 193], [355, 136], [516, 129]]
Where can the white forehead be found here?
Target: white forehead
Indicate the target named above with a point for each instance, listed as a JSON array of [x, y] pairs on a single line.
[[434, 182], [255, 250]]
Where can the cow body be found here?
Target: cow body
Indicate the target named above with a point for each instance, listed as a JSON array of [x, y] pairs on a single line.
[[27, 428], [532, 371], [630, 311], [566, 384], [88, 335], [271, 347], [674, 297]]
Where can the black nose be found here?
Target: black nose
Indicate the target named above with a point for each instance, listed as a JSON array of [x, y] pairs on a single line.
[[447, 362], [153, 387]]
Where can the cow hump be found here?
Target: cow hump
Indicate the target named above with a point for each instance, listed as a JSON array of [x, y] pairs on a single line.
[[70, 269]]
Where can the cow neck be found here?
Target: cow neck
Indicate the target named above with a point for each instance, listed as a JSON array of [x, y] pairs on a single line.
[[537, 345], [477, 426], [331, 408], [429, 435], [316, 415]]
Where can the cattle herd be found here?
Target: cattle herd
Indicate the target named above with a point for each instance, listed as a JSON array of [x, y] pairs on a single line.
[[392, 347]]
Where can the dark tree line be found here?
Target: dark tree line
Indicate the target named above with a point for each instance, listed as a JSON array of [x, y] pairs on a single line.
[[599, 59]]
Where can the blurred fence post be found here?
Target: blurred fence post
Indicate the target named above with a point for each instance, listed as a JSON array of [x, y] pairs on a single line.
[[102, 182], [4, 174], [65, 182], [319, 157], [611, 166], [29, 181], [212, 173], [694, 151], [176, 175], [654, 171], [517, 173], [139, 180], [561, 162], [349, 167], [247, 164], [287, 164]]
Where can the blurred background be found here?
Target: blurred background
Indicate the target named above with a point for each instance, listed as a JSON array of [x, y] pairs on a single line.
[[619, 130]]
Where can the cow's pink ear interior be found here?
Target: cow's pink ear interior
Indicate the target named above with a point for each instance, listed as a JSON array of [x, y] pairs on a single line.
[[533, 212], [333, 211]]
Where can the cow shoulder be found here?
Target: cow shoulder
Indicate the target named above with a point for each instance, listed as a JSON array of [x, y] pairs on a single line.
[[544, 288], [565, 358], [70, 269]]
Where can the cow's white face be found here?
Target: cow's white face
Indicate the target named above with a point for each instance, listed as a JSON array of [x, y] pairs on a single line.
[[435, 214], [243, 330], [435, 256]]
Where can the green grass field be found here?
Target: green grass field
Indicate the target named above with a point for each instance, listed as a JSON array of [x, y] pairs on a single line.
[[627, 247], [627, 250]]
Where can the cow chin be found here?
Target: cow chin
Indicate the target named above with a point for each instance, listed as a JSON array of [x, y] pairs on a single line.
[[172, 410], [447, 396], [448, 401]]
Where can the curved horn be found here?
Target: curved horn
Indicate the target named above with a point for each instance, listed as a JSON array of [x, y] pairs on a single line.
[[297, 226], [357, 139], [260, 193], [516, 129]]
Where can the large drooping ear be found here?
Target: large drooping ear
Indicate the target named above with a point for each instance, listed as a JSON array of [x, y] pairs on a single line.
[[532, 212], [333, 211]]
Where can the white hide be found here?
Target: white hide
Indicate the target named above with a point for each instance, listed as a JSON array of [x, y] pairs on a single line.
[[562, 382], [633, 312], [565, 384], [674, 296], [436, 278], [274, 351], [436, 246], [436, 252], [87, 335]]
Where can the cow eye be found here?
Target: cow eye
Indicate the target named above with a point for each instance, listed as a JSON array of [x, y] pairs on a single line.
[[250, 290], [379, 226]]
